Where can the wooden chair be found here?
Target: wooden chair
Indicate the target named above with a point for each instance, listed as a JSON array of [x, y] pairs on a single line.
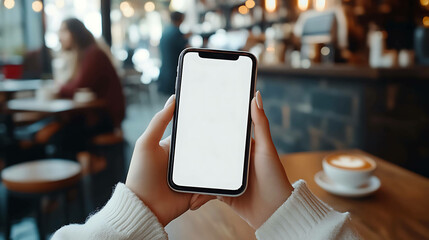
[[103, 166], [37, 180], [2, 164], [111, 147]]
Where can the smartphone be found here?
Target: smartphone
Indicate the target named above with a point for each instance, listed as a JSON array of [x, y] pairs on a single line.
[[210, 140]]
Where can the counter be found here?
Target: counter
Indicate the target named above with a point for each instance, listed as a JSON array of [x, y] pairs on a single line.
[[350, 72], [382, 111]]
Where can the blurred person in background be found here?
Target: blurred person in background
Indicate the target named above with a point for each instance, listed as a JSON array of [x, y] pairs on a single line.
[[88, 68], [172, 43], [93, 70]]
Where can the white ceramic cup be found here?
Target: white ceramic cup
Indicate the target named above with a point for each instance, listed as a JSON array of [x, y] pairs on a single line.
[[45, 93], [406, 58], [349, 177], [84, 95]]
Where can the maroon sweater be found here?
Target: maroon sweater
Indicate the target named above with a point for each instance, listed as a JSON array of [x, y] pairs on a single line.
[[97, 73]]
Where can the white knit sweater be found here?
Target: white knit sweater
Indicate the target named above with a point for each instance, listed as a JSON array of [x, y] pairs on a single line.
[[302, 216]]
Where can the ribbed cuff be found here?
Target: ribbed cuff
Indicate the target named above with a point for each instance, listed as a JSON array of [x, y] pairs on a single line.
[[128, 215], [296, 217]]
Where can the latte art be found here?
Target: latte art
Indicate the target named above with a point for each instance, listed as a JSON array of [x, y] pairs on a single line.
[[349, 161]]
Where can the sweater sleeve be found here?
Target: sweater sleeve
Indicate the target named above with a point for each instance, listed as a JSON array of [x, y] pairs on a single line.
[[124, 217], [304, 216]]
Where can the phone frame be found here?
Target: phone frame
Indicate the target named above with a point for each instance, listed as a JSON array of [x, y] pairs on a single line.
[[213, 54]]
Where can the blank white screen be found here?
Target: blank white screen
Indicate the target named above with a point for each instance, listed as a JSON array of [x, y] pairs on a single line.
[[212, 122]]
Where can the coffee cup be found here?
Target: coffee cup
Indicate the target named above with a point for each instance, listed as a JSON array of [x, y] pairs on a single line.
[[45, 93], [84, 95], [349, 170]]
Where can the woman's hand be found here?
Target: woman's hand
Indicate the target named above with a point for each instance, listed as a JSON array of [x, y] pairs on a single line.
[[147, 175], [268, 186]]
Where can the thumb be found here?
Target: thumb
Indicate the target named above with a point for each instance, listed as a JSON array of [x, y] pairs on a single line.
[[159, 122], [262, 126]]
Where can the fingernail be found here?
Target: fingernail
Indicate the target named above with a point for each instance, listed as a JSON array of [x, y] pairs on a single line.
[[259, 100], [194, 197], [195, 209], [194, 206], [169, 101]]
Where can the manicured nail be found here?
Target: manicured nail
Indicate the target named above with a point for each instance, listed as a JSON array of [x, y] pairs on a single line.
[[169, 101], [259, 100], [195, 208], [193, 201]]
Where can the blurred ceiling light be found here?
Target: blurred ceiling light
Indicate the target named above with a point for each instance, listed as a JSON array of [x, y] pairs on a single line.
[[124, 5], [178, 5], [270, 5], [129, 12], [303, 5], [126, 9], [424, 3], [325, 51], [149, 6], [426, 21], [37, 6], [250, 3], [59, 3], [9, 4], [243, 9], [320, 5]]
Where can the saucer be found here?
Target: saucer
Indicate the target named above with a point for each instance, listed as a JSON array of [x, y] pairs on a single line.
[[326, 183]]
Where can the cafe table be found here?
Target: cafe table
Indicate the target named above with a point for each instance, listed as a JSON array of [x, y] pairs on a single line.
[[51, 106], [59, 108], [398, 210], [8, 86]]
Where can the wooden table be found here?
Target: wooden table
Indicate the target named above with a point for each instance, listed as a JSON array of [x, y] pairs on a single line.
[[41, 176], [8, 87], [51, 106], [36, 180], [22, 85], [398, 210]]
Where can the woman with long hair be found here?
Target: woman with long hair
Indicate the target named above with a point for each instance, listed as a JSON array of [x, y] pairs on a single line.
[[93, 70]]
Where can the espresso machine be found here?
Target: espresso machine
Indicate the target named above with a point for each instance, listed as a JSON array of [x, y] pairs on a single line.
[[322, 34]]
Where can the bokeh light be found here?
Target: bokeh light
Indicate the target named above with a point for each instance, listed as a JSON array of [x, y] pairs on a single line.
[[37, 6], [149, 6], [303, 5], [9, 4], [270, 5], [426, 21], [319, 5], [126, 9], [243, 9], [250, 4]]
